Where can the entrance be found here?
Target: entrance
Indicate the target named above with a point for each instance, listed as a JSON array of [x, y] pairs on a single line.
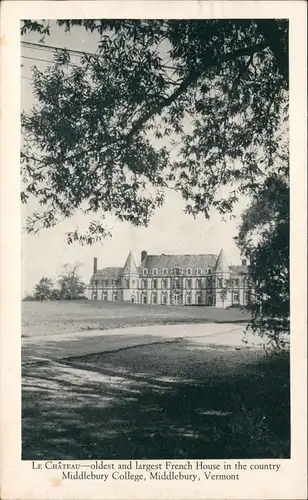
[[176, 299]]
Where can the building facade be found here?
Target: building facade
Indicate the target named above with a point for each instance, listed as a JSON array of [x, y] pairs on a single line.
[[196, 279]]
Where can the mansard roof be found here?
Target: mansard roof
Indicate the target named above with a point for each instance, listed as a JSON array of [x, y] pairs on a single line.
[[164, 261], [193, 261], [130, 265], [108, 272]]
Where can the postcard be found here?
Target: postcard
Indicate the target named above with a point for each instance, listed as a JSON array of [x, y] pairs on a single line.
[[153, 250]]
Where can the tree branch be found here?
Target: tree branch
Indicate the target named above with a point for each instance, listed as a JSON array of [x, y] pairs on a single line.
[[191, 78], [274, 40]]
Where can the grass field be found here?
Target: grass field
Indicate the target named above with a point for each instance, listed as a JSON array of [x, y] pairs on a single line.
[[40, 318], [173, 398]]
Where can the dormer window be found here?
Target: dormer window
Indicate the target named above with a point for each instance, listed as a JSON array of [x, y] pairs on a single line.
[[145, 272], [177, 271], [209, 271], [155, 271], [165, 271], [188, 270], [199, 270]]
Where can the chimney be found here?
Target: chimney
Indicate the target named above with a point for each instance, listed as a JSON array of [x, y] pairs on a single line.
[[143, 255], [244, 262], [94, 265]]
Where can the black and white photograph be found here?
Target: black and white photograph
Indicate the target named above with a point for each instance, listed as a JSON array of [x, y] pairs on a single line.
[[155, 191], [158, 338]]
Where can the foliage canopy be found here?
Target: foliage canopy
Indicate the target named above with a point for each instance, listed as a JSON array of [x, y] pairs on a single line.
[[104, 132]]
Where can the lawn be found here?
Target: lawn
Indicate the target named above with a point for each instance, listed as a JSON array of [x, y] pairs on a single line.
[[41, 318], [174, 400]]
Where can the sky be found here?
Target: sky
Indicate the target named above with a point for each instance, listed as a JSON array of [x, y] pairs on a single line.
[[170, 231]]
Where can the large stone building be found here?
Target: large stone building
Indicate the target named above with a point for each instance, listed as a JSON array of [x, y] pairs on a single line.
[[204, 279]]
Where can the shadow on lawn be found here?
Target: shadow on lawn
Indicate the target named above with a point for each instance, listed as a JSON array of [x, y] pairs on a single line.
[[169, 401]]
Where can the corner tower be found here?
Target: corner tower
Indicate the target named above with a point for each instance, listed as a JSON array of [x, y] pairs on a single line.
[[129, 280], [221, 281]]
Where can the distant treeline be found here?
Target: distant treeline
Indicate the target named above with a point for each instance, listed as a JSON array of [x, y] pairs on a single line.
[[69, 286]]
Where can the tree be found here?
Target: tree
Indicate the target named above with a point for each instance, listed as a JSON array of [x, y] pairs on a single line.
[[102, 134], [71, 287], [264, 239], [43, 289], [28, 298]]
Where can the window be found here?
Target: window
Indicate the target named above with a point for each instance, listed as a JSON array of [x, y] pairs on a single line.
[[209, 281], [198, 299], [164, 283], [126, 283], [177, 271], [145, 272], [236, 282], [188, 298], [198, 283], [144, 283], [104, 295], [115, 296], [209, 271], [247, 297], [236, 297], [199, 270], [144, 299], [155, 271], [164, 298], [188, 283], [154, 283], [176, 283], [165, 271], [154, 298], [133, 283], [188, 270], [106, 282]]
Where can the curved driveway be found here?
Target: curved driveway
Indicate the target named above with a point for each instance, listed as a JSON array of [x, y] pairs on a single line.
[[90, 342]]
